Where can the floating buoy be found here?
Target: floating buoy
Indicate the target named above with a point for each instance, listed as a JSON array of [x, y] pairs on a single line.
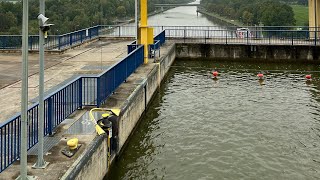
[[215, 73], [260, 75], [308, 76]]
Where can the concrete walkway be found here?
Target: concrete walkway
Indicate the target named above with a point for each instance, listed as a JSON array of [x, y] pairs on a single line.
[[92, 58]]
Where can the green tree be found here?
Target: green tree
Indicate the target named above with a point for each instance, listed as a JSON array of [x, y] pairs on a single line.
[[121, 11], [247, 17]]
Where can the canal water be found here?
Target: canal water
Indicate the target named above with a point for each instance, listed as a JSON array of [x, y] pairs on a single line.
[[181, 16], [236, 127]]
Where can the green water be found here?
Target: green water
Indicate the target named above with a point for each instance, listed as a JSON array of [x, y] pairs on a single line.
[[236, 127]]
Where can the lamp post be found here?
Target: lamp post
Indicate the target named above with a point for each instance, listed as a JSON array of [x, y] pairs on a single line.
[[41, 164]]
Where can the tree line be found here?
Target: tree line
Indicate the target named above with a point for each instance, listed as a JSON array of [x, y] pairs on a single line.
[[70, 15], [254, 12]]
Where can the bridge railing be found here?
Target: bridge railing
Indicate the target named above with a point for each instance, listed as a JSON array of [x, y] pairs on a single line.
[[64, 41], [52, 42], [82, 91], [274, 37]]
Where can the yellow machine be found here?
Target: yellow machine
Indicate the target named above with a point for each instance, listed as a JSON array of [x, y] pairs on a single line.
[[104, 124]]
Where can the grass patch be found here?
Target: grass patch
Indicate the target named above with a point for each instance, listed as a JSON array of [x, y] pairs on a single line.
[[301, 14]]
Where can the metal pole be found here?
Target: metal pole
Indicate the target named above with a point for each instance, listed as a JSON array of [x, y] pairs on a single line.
[[24, 95], [41, 164], [136, 20], [315, 22]]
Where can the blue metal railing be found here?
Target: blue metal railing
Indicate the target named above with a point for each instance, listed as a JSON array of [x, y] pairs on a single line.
[[53, 42], [111, 78], [161, 37], [83, 91], [132, 46], [153, 48]]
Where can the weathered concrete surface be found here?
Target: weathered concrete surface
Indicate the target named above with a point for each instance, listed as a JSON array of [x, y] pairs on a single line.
[[266, 52], [88, 59]]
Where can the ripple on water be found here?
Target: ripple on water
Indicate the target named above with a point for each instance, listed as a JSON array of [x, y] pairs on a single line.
[[232, 128]]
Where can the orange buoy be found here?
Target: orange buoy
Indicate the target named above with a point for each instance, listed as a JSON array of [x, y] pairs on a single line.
[[308, 76], [215, 73], [260, 75]]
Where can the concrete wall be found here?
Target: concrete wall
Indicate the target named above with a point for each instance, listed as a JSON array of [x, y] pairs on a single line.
[[92, 164], [140, 98], [267, 52]]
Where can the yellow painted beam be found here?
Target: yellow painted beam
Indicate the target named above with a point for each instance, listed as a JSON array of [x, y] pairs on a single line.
[[144, 13], [145, 33], [314, 18]]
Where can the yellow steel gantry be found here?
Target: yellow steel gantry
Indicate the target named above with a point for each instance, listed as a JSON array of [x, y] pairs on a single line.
[[314, 18], [145, 36]]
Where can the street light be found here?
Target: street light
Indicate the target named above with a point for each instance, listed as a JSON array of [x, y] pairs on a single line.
[[43, 29]]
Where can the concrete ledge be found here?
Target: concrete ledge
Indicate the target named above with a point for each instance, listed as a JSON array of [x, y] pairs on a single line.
[[278, 53], [85, 166]]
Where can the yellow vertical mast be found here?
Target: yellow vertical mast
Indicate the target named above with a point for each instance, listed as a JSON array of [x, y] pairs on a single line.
[[145, 33]]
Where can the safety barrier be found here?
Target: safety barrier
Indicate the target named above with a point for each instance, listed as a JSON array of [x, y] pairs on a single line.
[[83, 91], [132, 46], [294, 35], [271, 37], [161, 37], [52, 42]]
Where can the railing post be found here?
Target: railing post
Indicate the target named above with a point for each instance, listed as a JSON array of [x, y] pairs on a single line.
[[247, 37], [30, 42], [80, 93], [315, 37], [59, 42], [81, 36], [50, 116], [98, 91], [119, 31], [184, 35], [205, 36], [292, 38], [70, 39], [97, 30], [226, 36]]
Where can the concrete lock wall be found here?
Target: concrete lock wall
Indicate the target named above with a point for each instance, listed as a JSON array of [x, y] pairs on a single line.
[[139, 99], [267, 52], [93, 163]]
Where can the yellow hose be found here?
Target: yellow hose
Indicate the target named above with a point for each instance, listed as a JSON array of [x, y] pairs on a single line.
[[99, 130]]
